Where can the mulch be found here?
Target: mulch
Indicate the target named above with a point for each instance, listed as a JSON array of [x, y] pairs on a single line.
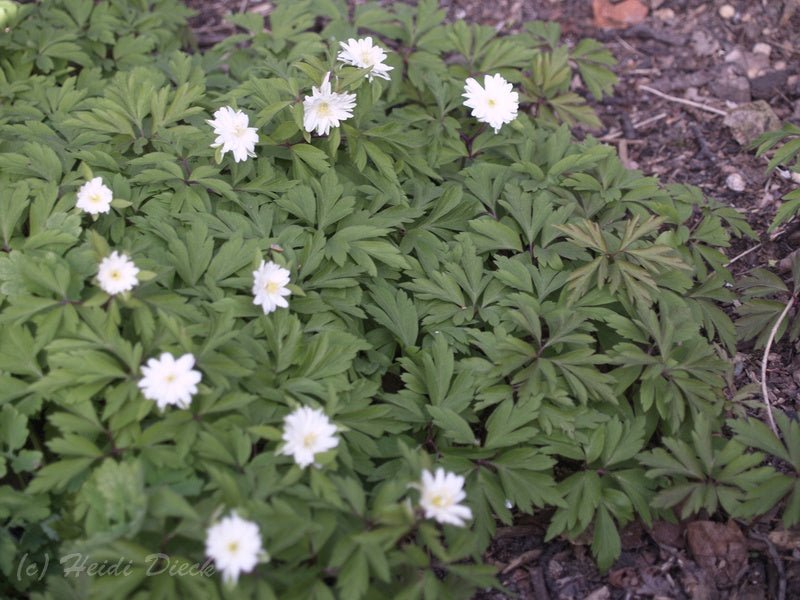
[[717, 54]]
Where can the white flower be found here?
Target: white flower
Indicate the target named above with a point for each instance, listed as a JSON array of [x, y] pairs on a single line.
[[307, 432], [269, 286], [362, 54], [170, 381], [324, 109], [441, 494], [233, 133], [94, 197], [495, 103], [117, 273], [235, 545]]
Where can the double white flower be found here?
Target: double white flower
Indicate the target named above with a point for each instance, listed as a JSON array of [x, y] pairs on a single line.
[[307, 432], [364, 55], [117, 274], [235, 545], [269, 286], [324, 108], [440, 497], [496, 103], [169, 381], [233, 133], [94, 197]]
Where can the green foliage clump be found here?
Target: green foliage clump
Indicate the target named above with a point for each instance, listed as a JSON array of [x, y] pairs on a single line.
[[766, 297], [517, 308], [786, 145]]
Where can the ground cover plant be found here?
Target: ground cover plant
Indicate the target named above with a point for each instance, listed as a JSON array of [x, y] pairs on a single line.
[[309, 313]]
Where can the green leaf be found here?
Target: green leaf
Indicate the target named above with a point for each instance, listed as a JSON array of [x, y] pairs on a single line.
[[396, 312], [452, 425], [606, 544]]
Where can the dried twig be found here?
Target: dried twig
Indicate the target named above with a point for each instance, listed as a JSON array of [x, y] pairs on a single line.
[[539, 584], [743, 254], [616, 134], [776, 560], [704, 107], [649, 120], [764, 390], [522, 559]]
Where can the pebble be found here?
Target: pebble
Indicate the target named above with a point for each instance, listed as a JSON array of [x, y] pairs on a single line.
[[728, 85], [766, 86], [726, 11], [734, 55], [735, 182], [762, 48]]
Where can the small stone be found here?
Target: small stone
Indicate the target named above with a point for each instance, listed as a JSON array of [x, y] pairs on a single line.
[[729, 85], [748, 121], [704, 44], [734, 56], [735, 182], [726, 11], [762, 48], [768, 85], [756, 64], [665, 14], [602, 593]]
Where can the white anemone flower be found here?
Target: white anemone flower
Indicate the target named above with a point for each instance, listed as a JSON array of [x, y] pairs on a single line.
[[233, 133], [235, 545], [269, 286], [364, 55], [94, 197], [307, 432], [169, 381], [117, 274], [324, 109], [440, 497], [496, 103]]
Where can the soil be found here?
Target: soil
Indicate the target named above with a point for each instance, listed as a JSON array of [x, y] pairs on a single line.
[[718, 54]]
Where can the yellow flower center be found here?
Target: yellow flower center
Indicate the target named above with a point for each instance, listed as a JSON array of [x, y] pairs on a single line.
[[271, 287], [440, 500], [366, 58], [491, 102], [309, 439], [115, 274], [324, 109], [170, 378], [95, 198], [233, 547]]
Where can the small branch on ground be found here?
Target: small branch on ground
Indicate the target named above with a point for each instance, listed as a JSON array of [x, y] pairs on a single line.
[[705, 107], [776, 560], [767, 348], [616, 134], [539, 584], [522, 559], [743, 254]]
